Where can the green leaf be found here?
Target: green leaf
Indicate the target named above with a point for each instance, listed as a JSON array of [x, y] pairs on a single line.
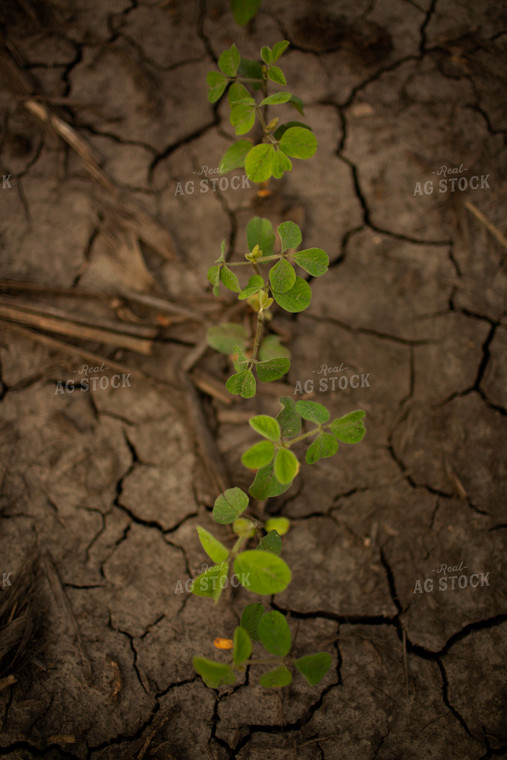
[[260, 232], [250, 69], [315, 261], [214, 277], [281, 164], [229, 279], [276, 75], [297, 103], [286, 465], [314, 666], [271, 348], [214, 674], [288, 418], [242, 118], [239, 94], [244, 10], [266, 426], [229, 61], [259, 162], [271, 543], [234, 157], [259, 455], [282, 276], [262, 572], [242, 646], [211, 582], [242, 384], [349, 428], [255, 283], [216, 85], [226, 337], [274, 633], [266, 54], [298, 142], [325, 445], [290, 235], [276, 99], [239, 359], [272, 369], [243, 527], [297, 298], [250, 619], [284, 127], [310, 410], [277, 678], [280, 524], [212, 546], [229, 505], [265, 484], [279, 49]]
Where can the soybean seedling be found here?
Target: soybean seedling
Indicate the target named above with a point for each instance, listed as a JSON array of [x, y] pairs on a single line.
[[276, 278]]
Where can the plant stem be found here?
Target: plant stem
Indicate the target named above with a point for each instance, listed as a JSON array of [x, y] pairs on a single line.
[[257, 341], [237, 547], [264, 126], [304, 435], [261, 260]]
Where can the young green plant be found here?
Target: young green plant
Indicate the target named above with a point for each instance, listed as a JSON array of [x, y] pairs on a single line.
[[280, 285], [243, 78], [274, 261], [271, 630]]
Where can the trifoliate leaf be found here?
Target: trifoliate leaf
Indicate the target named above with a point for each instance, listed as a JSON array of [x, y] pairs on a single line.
[[298, 142], [276, 75], [312, 411], [229, 60], [258, 455], [315, 261], [325, 445], [286, 465], [282, 276], [216, 86], [297, 298], [290, 235], [262, 572], [242, 384], [229, 505], [266, 426], [259, 162], [226, 337], [234, 157]]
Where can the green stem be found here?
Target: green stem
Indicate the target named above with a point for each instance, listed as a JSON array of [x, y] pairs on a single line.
[[238, 546], [261, 260], [264, 126], [288, 444], [257, 341]]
